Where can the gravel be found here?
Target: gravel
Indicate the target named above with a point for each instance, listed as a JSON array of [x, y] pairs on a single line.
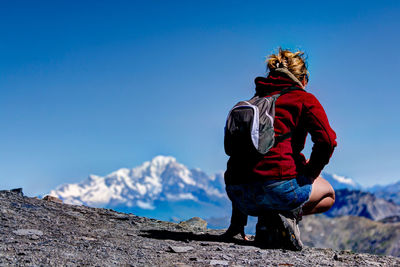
[[35, 232]]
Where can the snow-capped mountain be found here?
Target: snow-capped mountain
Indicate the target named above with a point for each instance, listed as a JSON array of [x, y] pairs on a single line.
[[161, 179], [163, 188]]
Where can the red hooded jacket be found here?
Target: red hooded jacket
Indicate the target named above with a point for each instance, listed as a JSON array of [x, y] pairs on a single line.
[[297, 111]]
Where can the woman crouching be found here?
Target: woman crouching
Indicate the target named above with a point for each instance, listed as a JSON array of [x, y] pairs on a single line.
[[281, 186]]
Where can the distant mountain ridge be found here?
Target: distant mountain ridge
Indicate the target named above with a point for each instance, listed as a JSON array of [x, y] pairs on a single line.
[[351, 232], [155, 187], [363, 204], [164, 188], [389, 192], [162, 178]]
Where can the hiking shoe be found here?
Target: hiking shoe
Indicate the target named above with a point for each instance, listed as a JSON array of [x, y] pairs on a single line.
[[262, 236], [267, 231], [267, 237], [290, 233]]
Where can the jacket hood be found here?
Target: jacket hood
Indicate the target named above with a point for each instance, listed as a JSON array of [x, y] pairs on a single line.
[[277, 80]]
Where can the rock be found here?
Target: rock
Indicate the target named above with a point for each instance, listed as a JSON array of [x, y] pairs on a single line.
[[17, 191], [81, 236], [34, 237], [177, 249], [28, 232], [121, 216], [226, 257], [194, 223], [86, 238], [52, 199], [219, 262], [391, 219]]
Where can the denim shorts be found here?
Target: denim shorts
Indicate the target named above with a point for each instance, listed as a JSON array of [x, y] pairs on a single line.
[[257, 198]]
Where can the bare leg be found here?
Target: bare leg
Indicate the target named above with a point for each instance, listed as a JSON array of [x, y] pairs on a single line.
[[322, 197]]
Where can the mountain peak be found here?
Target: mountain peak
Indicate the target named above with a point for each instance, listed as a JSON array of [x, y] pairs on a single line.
[[162, 160], [160, 179], [344, 180], [340, 182]]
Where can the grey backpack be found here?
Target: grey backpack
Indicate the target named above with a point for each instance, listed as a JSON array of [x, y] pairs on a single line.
[[249, 127]]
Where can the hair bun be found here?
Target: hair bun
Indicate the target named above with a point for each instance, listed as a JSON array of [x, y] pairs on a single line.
[[295, 62]]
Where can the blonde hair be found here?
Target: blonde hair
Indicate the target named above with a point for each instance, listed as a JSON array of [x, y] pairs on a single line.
[[294, 62]]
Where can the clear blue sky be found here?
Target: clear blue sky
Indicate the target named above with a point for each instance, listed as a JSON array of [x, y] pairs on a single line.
[[93, 86]]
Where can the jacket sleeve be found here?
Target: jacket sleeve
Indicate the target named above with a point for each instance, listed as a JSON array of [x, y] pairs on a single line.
[[322, 135]]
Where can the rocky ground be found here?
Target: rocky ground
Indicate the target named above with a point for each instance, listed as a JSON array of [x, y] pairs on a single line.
[[35, 232]]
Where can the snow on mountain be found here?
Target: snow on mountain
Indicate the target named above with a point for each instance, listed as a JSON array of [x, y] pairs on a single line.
[[161, 179], [340, 182], [164, 188]]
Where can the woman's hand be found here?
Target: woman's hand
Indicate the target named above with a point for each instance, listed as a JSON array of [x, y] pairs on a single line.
[[311, 178]]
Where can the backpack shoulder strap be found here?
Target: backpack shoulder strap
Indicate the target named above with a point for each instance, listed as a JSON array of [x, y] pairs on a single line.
[[254, 100]]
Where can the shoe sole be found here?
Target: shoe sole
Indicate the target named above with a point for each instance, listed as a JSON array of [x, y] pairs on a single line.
[[289, 236]]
